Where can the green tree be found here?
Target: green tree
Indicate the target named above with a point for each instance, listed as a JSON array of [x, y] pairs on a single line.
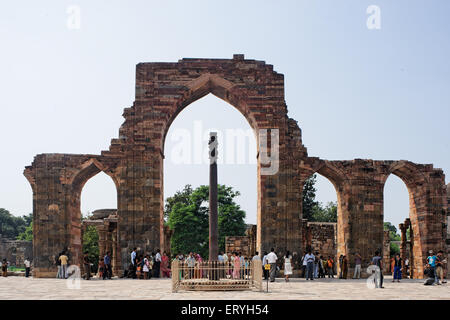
[[188, 217], [325, 214], [11, 226], [182, 196], [309, 197], [27, 234], [389, 226], [393, 236], [90, 245]]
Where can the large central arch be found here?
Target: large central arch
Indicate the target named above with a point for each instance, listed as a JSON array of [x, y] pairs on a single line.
[[163, 90]]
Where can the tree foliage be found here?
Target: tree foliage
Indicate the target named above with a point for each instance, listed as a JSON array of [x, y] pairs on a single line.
[[313, 210], [393, 236], [188, 216], [11, 226], [27, 235], [309, 197], [90, 245], [325, 214]]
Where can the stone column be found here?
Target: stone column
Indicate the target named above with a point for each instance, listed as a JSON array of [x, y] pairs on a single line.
[[52, 223], [140, 203], [403, 245], [213, 215], [360, 223]]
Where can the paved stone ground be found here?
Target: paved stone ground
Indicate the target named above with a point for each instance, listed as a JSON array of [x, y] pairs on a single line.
[[298, 289]]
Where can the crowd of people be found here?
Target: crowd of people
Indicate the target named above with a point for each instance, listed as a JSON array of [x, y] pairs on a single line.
[[232, 266], [146, 266], [4, 264], [235, 265]]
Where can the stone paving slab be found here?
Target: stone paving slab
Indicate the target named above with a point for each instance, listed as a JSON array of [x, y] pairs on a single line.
[[20, 288]]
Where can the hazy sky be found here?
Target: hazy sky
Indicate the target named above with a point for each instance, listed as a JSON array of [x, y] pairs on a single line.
[[356, 93]]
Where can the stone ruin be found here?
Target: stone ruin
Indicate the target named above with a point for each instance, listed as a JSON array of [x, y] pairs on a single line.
[[15, 251], [135, 159]]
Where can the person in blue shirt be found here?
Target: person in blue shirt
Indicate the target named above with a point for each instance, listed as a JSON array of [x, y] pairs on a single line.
[[108, 271], [133, 263], [431, 260]]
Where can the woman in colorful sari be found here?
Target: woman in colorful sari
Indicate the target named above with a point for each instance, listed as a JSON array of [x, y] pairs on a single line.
[[236, 266], [165, 265]]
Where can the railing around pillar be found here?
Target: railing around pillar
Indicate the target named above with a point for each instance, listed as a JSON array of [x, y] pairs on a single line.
[[214, 275]]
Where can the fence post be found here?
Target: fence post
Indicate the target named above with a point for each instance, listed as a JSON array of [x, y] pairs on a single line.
[[257, 274], [175, 275]]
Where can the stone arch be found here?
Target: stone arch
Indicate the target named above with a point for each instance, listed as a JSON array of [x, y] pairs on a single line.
[[163, 90], [84, 173], [338, 179], [219, 87], [421, 192]]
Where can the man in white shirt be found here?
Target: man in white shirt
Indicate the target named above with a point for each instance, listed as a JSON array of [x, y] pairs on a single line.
[[190, 261], [27, 264], [264, 262], [309, 258], [225, 257], [272, 260], [157, 263], [256, 257]]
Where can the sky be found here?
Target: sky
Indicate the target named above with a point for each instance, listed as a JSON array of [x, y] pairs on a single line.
[[356, 92]]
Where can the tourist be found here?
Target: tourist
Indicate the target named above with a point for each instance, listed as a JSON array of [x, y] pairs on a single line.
[[321, 267], [345, 267], [165, 265], [246, 267], [157, 265], [431, 260], [227, 270], [397, 269], [236, 265], [316, 265], [139, 267], [304, 265], [325, 266], [392, 265], [4, 268], [256, 257], [440, 266], [377, 260], [133, 263], [264, 262], [190, 261], [330, 267], [64, 261], [272, 260], [287, 266], [407, 267], [146, 265], [87, 266], [341, 266], [358, 261], [27, 264], [309, 257], [108, 272], [101, 268], [58, 264], [242, 261]]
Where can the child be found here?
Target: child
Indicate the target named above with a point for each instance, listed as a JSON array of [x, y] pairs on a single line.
[[101, 268]]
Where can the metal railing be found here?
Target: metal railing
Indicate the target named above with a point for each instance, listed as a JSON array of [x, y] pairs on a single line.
[[214, 275]]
